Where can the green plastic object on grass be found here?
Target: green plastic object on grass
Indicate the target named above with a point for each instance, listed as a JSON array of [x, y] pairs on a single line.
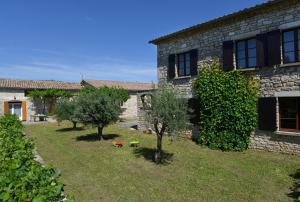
[[134, 143]]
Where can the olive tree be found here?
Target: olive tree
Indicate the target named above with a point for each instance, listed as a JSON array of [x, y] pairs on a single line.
[[66, 110], [166, 112], [100, 107]]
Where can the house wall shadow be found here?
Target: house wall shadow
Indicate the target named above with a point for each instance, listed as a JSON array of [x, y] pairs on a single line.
[[148, 154], [92, 137], [295, 189]]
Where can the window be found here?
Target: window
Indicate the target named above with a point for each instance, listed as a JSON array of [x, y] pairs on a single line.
[[184, 64], [15, 108], [291, 46], [246, 53], [289, 110]]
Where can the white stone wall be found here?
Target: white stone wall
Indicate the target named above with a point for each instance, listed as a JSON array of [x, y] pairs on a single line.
[[18, 95], [130, 107]]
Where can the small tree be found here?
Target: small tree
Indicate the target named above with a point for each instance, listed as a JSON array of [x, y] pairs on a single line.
[[166, 111], [99, 108], [228, 111], [66, 110]]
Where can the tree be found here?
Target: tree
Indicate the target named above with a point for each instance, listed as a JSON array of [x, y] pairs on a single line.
[[66, 110], [166, 111], [99, 107], [228, 108], [45, 95]]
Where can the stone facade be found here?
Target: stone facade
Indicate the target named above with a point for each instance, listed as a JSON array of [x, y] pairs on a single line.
[[130, 107], [16, 95], [277, 81]]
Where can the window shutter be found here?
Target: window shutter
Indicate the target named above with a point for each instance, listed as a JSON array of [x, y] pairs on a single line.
[[227, 55], [273, 41], [194, 61], [24, 114], [267, 113], [171, 67], [6, 108], [262, 50], [194, 110]]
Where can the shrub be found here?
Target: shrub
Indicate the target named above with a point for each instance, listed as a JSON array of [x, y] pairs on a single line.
[[228, 111], [11, 122], [21, 177]]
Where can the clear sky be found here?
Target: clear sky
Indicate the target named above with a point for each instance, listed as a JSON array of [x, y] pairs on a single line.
[[100, 39]]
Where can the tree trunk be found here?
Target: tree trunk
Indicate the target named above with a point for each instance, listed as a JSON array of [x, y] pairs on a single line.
[[44, 106], [100, 133], [74, 124], [158, 153]]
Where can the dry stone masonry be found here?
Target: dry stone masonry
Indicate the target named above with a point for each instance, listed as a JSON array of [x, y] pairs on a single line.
[[276, 81]]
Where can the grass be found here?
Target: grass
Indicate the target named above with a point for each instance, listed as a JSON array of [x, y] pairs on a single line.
[[97, 171]]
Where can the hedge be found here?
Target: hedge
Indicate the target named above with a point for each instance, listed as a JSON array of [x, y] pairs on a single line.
[[21, 177]]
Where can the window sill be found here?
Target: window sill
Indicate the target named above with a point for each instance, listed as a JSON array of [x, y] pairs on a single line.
[[290, 64], [286, 133], [183, 77], [247, 69]]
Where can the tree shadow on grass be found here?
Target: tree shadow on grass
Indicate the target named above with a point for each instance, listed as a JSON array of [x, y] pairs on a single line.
[[70, 129], [148, 154], [295, 189], [94, 137]]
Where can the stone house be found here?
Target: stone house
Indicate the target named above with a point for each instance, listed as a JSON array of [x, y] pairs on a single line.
[[14, 99], [14, 95], [263, 41], [134, 88]]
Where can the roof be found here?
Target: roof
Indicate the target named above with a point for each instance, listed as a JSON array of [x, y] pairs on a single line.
[[131, 86], [213, 22], [38, 84]]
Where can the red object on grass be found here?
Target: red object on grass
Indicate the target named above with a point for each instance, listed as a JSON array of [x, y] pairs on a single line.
[[120, 144]]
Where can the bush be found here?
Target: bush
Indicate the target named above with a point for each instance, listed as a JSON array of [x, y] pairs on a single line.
[[228, 111], [21, 177]]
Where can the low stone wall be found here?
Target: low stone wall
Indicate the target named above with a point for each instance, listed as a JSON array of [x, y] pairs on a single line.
[[270, 141]]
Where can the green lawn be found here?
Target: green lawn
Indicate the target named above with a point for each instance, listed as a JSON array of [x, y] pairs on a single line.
[[97, 171]]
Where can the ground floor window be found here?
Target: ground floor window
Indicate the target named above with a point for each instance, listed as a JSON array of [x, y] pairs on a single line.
[[289, 114], [15, 108]]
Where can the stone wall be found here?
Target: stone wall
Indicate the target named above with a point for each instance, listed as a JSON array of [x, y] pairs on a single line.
[[270, 141], [209, 44], [130, 107], [273, 81]]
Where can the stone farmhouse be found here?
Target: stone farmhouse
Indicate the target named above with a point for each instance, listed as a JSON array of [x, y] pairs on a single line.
[[263, 41], [14, 95], [14, 99]]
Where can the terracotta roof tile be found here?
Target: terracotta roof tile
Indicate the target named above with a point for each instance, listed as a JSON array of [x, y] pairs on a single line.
[[133, 86], [38, 84]]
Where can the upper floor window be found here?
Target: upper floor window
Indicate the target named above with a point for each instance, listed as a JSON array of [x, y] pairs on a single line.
[[291, 46], [184, 64], [246, 53]]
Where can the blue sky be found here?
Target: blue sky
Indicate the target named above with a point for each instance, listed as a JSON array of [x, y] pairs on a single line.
[[100, 39]]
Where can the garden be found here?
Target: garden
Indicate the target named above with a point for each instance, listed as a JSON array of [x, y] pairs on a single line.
[[94, 170], [99, 160]]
